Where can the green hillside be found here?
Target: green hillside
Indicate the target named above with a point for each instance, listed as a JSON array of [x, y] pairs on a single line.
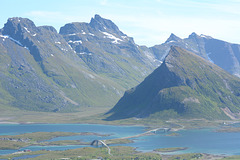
[[184, 86]]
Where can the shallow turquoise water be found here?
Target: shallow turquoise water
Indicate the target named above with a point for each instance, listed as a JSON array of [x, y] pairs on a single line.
[[203, 140]]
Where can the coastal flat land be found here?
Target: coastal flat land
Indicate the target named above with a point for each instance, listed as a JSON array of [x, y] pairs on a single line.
[[117, 152]]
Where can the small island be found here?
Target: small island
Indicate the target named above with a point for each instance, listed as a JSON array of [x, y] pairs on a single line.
[[173, 134], [173, 149], [229, 129], [39, 138]]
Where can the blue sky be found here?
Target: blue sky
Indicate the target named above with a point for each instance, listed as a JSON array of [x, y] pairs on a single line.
[[149, 22]]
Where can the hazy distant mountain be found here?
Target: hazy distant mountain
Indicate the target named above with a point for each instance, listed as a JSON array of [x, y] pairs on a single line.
[[185, 86], [225, 55]]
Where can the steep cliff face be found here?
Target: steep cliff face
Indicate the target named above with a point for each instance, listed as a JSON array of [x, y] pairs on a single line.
[[186, 86]]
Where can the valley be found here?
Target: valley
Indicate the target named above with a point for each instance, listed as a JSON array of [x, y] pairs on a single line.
[[60, 91]]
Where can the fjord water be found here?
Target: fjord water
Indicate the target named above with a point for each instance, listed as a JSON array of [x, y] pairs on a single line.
[[114, 131], [197, 141]]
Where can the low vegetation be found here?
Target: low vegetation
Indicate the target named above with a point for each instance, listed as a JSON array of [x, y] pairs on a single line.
[[65, 142], [37, 138], [173, 134], [117, 152], [170, 149], [232, 158], [185, 86], [118, 141], [229, 129], [5, 144]]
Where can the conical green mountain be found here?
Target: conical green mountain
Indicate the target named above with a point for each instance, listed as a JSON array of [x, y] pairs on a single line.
[[184, 86]]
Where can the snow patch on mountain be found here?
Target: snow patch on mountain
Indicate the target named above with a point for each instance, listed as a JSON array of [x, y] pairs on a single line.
[[64, 49], [6, 36], [85, 53], [78, 41], [172, 41], [26, 48], [205, 36], [110, 36], [72, 34], [83, 32], [26, 29], [124, 37]]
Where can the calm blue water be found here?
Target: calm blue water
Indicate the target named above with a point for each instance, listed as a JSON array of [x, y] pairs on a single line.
[[203, 140], [197, 141]]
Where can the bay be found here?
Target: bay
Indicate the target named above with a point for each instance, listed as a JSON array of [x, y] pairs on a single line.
[[197, 140]]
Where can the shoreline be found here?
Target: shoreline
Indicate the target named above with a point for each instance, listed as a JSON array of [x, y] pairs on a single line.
[[136, 125]]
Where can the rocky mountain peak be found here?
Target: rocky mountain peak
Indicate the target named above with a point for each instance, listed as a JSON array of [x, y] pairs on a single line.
[[173, 53], [49, 28], [69, 28], [173, 38], [206, 36], [194, 36], [98, 17], [16, 25], [20, 20], [26, 34], [102, 24]]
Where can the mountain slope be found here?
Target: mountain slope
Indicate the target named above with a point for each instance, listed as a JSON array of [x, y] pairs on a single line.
[[185, 86], [85, 65], [108, 51], [40, 71], [221, 53]]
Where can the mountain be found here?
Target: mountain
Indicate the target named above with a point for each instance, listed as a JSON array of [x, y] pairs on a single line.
[[225, 55], [85, 65], [40, 71], [184, 86], [108, 51]]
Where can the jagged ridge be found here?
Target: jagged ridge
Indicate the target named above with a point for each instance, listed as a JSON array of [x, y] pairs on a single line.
[[221, 53], [86, 65]]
